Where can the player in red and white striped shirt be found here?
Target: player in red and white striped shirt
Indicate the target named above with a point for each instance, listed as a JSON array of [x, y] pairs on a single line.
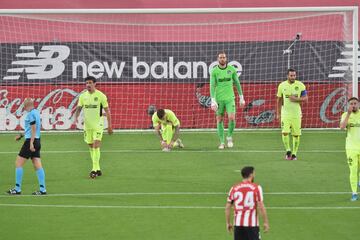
[[246, 198]]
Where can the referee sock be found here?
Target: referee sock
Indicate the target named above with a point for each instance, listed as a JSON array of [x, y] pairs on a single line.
[[220, 131], [231, 128], [96, 159], [41, 178], [296, 142], [286, 141], [18, 178]]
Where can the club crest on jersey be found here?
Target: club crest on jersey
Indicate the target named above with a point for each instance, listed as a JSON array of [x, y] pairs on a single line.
[[296, 88], [228, 72], [95, 99]]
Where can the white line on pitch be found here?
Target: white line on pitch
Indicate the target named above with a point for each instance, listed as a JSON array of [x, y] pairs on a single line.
[[168, 194], [184, 151], [167, 207]]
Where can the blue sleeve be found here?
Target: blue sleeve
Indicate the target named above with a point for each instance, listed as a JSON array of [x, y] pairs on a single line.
[[32, 118], [303, 93]]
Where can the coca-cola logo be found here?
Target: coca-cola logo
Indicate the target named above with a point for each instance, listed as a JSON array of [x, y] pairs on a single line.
[[334, 104], [204, 101], [266, 116], [56, 108]]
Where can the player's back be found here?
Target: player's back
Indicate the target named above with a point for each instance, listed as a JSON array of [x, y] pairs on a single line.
[[245, 196]]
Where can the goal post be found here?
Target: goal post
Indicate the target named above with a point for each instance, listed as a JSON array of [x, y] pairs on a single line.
[[161, 58]]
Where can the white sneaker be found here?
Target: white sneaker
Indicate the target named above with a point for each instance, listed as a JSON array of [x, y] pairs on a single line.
[[230, 143], [221, 146]]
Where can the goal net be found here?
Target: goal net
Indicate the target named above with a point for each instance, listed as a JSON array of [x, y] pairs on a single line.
[[162, 60]]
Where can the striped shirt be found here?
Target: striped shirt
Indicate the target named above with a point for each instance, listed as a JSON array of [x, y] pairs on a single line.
[[245, 196]]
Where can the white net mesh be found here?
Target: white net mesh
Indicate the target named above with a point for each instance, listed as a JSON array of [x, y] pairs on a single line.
[[163, 60]]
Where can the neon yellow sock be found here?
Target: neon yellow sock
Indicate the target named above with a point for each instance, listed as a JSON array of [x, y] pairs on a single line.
[[91, 150], [96, 159], [296, 143], [286, 141]]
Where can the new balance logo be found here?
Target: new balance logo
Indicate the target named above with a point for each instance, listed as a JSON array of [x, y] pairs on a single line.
[[344, 64], [47, 64]]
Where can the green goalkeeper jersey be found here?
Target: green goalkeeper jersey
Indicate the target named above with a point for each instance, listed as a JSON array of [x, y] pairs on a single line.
[[222, 81], [353, 131], [92, 105]]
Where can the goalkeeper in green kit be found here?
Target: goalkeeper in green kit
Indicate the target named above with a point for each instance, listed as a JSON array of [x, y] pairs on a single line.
[[222, 79]]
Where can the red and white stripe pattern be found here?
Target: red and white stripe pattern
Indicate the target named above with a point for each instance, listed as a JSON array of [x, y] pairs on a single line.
[[245, 196]]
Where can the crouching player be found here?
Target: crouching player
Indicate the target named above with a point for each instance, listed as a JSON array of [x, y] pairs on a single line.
[[167, 126]]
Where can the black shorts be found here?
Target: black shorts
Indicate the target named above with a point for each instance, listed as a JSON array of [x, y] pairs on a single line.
[[246, 233], [25, 149]]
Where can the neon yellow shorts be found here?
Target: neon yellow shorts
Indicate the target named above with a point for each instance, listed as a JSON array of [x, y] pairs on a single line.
[[91, 135], [228, 105], [291, 125]]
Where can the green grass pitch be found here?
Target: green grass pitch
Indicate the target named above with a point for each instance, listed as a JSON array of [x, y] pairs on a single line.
[[148, 194]]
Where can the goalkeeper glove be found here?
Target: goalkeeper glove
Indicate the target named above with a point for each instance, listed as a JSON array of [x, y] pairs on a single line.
[[242, 100], [214, 105]]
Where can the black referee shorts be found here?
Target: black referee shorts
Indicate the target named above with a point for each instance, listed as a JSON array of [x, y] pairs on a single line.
[[25, 149], [246, 233]]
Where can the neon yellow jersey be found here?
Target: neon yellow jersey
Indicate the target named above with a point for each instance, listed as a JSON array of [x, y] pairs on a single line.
[[285, 90], [353, 131], [92, 105], [170, 118]]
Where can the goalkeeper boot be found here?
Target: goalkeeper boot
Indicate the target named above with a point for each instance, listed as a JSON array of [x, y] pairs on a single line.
[[221, 146], [230, 143], [13, 192], [98, 173], [288, 155], [92, 174], [293, 157], [354, 197], [39, 193]]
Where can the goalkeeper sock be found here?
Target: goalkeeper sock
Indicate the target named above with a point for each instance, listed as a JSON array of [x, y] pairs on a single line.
[[296, 142], [286, 141], [231, 128], [220, 131], [41, 178], [96, 159], [18, 178]]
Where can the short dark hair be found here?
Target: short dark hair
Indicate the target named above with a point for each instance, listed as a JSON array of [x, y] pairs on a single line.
[[247, 171], [291, 70], [160, 113], [221, 52], [90, 78], [353, 98]]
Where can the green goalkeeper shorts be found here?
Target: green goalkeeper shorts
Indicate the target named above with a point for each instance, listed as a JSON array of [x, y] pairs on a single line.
[[229, 105]]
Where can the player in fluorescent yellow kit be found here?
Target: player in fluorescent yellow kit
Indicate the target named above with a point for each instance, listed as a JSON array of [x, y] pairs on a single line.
[[222, 80], [350, 121], [167, 126], [92, 102], [291, 93]]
